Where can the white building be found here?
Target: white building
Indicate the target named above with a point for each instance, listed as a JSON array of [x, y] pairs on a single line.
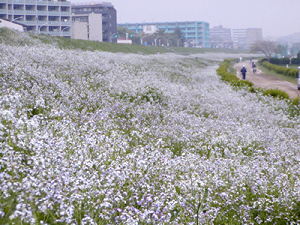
[[149, 29], [11, 25], [220, 37], [252, 35], [239, 38], [243, 38], [87, 27]]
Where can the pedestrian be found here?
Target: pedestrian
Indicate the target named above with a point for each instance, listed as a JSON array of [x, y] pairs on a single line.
[[244, 71], [241, 59], [237, 60], [254, 67]]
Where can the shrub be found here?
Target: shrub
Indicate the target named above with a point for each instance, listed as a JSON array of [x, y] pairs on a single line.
[[279, 61], [296, 101], [231, 78], [276, 93], [274, 61], [280, 69], [296, 61]]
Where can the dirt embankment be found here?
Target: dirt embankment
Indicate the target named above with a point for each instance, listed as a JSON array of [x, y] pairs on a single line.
[[266, 81]]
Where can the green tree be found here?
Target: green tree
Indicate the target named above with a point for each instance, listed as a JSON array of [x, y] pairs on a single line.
[[179, 35], [160, 33]]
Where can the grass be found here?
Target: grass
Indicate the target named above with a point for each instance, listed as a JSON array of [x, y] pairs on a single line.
[[291, 66], [277, 75], [11, 37], [231, 69], [67, 43]]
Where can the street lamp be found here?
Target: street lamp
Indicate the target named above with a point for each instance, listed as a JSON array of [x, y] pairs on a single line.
[[156, 39], [168, 41], [178, 41], [61, 34], [16, 18], [39, 29], [142, 37], [110, 37]]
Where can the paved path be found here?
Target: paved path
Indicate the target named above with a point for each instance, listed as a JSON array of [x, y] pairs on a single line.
[[266, 81]]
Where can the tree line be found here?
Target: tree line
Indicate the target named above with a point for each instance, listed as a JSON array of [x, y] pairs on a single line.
[[159, 38]]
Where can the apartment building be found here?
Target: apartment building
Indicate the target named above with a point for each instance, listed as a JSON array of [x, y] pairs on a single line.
[[51, 17], [194, 31], [220, 37], [87, 27], [109, 17], [239, 38], [252, 35], [243, 38]]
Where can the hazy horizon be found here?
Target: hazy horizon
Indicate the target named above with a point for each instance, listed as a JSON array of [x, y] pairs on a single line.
[[273, 16]]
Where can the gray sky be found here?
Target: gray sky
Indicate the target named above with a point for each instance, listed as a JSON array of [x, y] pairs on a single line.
[[276, 17]]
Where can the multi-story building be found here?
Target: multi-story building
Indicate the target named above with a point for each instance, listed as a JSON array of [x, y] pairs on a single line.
[[252, 35], [243, 38], [220, 37], [87, 27], [239, 38], [196, 31], [109, 17], [51, 17]]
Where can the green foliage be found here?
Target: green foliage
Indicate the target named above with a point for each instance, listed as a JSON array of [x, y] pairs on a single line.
[[280, 69], [151, 95], [276, 93], [12, 37], [278, 61], [296, 101], [231, 78], [295, 61]]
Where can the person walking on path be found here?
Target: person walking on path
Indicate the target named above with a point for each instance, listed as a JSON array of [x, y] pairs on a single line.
[[244, 71], [254, 67]]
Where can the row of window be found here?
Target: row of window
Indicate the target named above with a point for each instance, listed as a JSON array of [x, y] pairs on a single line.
[[38, 8], [90, 9], [135, 26]]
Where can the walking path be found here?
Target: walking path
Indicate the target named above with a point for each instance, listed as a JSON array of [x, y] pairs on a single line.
[[266, 81]]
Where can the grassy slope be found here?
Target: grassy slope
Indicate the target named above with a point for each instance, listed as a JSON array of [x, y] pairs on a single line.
[[66, 43]]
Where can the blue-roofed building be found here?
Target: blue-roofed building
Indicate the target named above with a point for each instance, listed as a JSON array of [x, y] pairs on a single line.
[[196, 31]]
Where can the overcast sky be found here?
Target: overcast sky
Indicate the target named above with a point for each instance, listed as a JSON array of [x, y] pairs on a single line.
[[275, 17]]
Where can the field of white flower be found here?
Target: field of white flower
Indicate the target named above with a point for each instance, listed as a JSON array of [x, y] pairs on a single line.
[[110, 138]]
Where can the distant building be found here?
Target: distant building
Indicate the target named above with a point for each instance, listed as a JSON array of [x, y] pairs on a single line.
[[109, 17], [149, 29], [220, 37], [12, 25], [243, 38], [51, 17], [87, 27], [239, 38], [253, 35], [194, 31], [124, 41]]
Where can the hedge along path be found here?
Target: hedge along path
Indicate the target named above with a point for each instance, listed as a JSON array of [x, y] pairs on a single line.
[[266, 81]]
